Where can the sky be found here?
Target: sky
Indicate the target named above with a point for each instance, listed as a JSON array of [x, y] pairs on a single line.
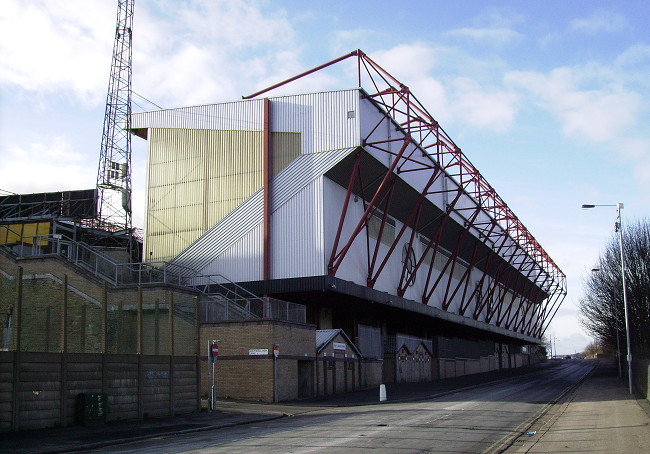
[[549, 100]]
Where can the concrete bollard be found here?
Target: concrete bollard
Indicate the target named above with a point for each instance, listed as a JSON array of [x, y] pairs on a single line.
[[382, 393]]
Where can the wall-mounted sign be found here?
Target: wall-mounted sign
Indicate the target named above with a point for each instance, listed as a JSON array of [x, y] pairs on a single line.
[[338, 346], [258, 351]]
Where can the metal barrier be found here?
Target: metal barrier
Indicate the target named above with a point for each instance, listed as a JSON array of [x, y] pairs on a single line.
[[222, 299], [285, 310]]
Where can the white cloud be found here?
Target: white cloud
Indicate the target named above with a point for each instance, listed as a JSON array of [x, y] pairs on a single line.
[[462, 100], [638, 53], [235, 24], [57, 47], [483, 108], [498, 17], [637, 150], [44, 166], [549, 39], [212, 51], [599, 21], [411, 65], [593, 115], [407, 62], [493, 26], [598, 115], [202, 52]]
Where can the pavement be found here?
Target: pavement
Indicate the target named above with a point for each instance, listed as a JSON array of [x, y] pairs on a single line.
[[600, 415], [592, 413]]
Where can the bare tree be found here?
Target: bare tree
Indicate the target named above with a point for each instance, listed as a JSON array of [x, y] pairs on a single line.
[[602, 308], [594, 348]]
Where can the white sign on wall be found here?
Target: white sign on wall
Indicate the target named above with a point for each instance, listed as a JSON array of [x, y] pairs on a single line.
[[338, 346], [258, 351]]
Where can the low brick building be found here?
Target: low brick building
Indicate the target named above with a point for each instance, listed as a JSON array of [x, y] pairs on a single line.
[[309, 362], [245, 365]]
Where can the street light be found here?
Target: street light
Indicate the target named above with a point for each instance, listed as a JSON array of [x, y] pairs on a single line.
[[619, 229]]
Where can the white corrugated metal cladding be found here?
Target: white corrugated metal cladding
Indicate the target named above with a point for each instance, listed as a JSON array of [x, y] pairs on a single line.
[[205, 194], [205, 165]]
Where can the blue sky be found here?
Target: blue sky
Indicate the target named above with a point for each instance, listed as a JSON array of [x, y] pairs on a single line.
[[549, 100]]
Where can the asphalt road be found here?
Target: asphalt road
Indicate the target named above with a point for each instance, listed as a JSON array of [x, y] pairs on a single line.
[[481, 420]]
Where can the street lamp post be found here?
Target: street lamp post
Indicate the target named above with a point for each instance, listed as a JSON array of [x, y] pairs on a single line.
[[553, 348], [619, 229]]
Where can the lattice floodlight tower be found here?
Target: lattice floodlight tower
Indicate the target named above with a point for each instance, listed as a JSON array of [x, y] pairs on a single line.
[[506, 252], [114, 174]]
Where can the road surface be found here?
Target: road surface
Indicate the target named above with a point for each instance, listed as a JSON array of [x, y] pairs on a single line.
[[481, 420]]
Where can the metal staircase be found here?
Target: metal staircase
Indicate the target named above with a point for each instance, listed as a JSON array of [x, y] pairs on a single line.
[[221, 299]]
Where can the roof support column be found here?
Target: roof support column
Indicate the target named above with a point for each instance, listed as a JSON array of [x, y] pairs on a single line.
[[267, 168]]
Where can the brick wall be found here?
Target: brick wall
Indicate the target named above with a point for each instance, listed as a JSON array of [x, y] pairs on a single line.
[[138, 319], [240, 375]]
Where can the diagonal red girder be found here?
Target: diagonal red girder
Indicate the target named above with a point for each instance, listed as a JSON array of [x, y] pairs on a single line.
[[440, 153]]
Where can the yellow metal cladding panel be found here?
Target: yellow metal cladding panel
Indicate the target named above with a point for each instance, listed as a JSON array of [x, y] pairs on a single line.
[[285, 148], [186, 218], [156, 225], [14, 233], [161, 198], [190, 167], [196, 177], [233, 152], [189, 193], [11, 233]]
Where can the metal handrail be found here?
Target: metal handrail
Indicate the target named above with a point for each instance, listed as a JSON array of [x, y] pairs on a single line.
[[237, 301], [118, 274]]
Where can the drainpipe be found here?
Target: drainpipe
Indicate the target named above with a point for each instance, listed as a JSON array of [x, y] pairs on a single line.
[[267, 168]]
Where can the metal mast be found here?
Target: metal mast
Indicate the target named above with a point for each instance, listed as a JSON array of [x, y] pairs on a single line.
[[114, 174]]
